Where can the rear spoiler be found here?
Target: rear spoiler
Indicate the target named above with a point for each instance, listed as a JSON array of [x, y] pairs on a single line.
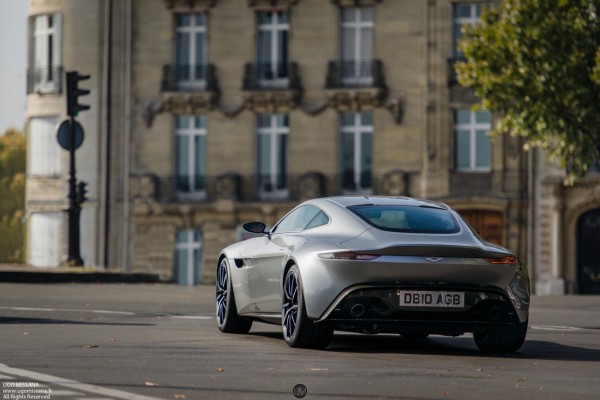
[[435, 251]]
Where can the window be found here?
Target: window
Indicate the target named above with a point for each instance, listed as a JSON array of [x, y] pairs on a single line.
[[190, 51], [190, 156], [44, 239], [408, 218], [188, 256], [464, 14], [357, 45], [272, 141], [320, 219], [43, 148], [301, 218], [46, 69], [356, 151], [272, 48], [472, 143]]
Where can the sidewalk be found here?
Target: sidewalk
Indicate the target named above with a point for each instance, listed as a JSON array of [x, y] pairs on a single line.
[[13, 273]]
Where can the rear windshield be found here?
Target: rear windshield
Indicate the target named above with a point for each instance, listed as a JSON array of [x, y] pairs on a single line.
[[408, 218]]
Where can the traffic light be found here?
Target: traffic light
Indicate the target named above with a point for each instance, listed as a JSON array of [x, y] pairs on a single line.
[[73, 93], [81, 192]]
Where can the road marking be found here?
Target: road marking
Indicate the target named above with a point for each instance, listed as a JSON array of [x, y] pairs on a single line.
[[66, 393], [71, 384], [67, 309], [87, 310], [557, 328]]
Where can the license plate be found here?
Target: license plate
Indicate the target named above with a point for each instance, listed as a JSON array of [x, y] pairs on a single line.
[[425, 298]]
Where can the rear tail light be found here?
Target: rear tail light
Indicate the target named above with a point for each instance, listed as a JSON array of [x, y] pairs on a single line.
[[508, 260], [347, 255]]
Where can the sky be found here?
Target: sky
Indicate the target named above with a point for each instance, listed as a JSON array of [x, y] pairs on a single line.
[[13, 63]]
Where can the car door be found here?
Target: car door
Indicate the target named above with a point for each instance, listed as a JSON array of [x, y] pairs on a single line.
[[269, 261]]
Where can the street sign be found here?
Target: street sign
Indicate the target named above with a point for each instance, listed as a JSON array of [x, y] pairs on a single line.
[[63, 134]]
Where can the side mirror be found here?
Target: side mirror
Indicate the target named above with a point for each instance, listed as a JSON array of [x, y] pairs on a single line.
[[255, 227]]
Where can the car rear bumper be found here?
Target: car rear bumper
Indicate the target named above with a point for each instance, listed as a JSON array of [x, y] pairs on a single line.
[[378, 308]]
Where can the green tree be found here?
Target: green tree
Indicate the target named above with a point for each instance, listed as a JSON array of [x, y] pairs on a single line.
[[536, 63], [12, 196]]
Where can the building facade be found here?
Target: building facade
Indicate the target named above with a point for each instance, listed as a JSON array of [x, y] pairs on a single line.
[[206, 114], [565, 249]]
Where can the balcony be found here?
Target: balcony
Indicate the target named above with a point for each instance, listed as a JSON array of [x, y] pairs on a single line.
[[356, 85], [271, 76], [355, 74], [189, 88], [271, 87], [452, 76], [189, 78], [44, 80], [459, 94], [257, 188]]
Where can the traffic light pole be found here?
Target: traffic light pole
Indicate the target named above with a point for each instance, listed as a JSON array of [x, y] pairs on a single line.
[[74, 210], [76, 198]]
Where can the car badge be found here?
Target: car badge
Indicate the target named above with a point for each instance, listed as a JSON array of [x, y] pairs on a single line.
[[433, 259]]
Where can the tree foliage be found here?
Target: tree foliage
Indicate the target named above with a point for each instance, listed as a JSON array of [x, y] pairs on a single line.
[[12, 196], [537, 63]]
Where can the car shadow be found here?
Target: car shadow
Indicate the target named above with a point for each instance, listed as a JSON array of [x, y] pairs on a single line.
[[50, 321], [448, 346]]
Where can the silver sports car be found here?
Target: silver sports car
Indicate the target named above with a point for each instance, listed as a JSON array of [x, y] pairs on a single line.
[[371, 265]]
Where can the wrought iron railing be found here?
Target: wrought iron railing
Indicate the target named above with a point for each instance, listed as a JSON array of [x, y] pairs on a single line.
[[271, 76], [452, 76], [341, 74], [44, 80], [189, 78]]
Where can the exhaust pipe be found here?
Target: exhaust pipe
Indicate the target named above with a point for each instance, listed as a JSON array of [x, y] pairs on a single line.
[[494, 313], [358, 310]]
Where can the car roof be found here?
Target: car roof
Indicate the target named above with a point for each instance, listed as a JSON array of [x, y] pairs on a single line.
[[349, 201]]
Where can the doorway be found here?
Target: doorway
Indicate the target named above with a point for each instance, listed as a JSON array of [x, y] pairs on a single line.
[[588, 252], [487, 223]]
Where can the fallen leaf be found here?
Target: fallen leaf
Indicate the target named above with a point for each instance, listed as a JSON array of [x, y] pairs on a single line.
[[220, 370], [147, 383]]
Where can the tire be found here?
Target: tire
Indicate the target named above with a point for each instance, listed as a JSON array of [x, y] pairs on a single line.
[[503, 339], [228, 319], [298, 329]]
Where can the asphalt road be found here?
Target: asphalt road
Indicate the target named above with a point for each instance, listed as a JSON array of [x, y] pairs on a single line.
[[139, 342]]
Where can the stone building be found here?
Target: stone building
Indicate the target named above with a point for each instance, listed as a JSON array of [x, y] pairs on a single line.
[[566, 246], [206, 114]]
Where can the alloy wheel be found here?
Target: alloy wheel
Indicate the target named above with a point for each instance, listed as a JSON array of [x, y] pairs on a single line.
[[290, 305], [221, 296]]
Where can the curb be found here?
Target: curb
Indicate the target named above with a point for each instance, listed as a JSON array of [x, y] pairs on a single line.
[[71, 275]]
